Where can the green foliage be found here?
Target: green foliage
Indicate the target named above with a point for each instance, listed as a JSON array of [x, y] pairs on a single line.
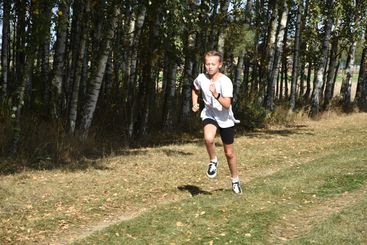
[[239, 38], [252, 115]]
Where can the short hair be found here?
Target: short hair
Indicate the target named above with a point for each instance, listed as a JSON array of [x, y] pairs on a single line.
[[214, 53]]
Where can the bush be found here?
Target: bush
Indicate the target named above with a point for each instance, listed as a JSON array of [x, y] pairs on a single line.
[[252, 115]]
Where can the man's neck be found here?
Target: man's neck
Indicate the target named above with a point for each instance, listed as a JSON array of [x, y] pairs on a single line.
[[215, 76]]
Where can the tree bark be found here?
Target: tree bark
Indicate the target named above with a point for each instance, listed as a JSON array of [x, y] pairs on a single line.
[[5, 50], [296, 57], [132, 80], [170, 96], [149, 58], [187, 79], [361, 93], [347, 82], [277, 55], [97, 75], [315, 101], [362, 99], [331, 74], [58, 72], [237, 79], [82, 36]]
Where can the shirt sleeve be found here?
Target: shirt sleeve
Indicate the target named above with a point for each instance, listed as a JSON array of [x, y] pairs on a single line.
[[227, 88], [196, 83]]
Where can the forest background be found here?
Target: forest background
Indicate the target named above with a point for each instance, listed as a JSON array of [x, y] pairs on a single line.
[[79, 79]]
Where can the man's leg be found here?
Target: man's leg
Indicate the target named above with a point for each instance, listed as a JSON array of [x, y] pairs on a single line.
[[210, 131], [231, 159]]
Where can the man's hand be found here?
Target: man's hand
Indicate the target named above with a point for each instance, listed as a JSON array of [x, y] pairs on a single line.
[[195, 107], [213, 89]]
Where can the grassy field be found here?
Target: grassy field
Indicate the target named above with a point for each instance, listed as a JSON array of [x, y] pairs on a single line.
[[303, 183]]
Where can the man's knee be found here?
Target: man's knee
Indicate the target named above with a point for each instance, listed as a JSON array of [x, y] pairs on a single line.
[[229, 154], [209, 140]]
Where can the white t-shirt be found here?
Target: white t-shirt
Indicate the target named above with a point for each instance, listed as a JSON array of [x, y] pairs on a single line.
[[213, 109]]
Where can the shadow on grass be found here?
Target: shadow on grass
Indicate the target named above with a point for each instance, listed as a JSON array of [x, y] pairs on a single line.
[[193, 190], [288, 131], [71, 154]]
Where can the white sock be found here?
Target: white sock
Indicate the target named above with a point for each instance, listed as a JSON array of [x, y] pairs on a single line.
[[214, 160], [235, 179]]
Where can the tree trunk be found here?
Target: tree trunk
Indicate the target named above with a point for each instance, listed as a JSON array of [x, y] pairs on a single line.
[[271, 41], [296, 57], [277, 55], [149, 59], [59, 57], [315, 101], [362, 99], [308, 82], [5, 50], [224, 5], [284, 60], [347, 82], [360, 76], [237, 79], [187, 80], [20, 35], [97, 75], [169, 107], [25, 61], [82, 36], [331, 74], [361, 93], [132, 80]]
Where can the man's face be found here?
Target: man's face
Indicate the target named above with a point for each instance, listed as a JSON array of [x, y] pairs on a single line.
[[212, 64]]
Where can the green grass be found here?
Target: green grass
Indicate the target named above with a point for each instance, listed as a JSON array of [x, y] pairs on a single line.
[[225, 218], [304, 183], [346, 227]]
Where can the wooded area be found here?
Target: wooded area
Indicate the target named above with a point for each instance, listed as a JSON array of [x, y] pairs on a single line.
[[126, 67]]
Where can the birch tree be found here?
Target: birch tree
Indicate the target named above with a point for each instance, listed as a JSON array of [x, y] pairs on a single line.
[[361, 94], [97, 74], [296, 56], [353, 18], [333, 66], [59, 57], [133, 70], [5, 49], [347, 81], [277, 55], [83, 21], [315, 101]]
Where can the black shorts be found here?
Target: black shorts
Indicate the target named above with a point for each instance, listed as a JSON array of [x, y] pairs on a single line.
[[226, 134]]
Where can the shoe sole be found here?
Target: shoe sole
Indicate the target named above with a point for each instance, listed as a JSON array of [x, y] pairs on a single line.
[[211, 176]]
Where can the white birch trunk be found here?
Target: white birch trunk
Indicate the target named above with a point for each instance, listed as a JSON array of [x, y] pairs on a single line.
[[59, 60], [140, 19], [272, 39], [97, 76], [315, 100], [5, 49], [333, 64], [277, 54], [295, 68], [237, 80], [347, 82], [73, 111]]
